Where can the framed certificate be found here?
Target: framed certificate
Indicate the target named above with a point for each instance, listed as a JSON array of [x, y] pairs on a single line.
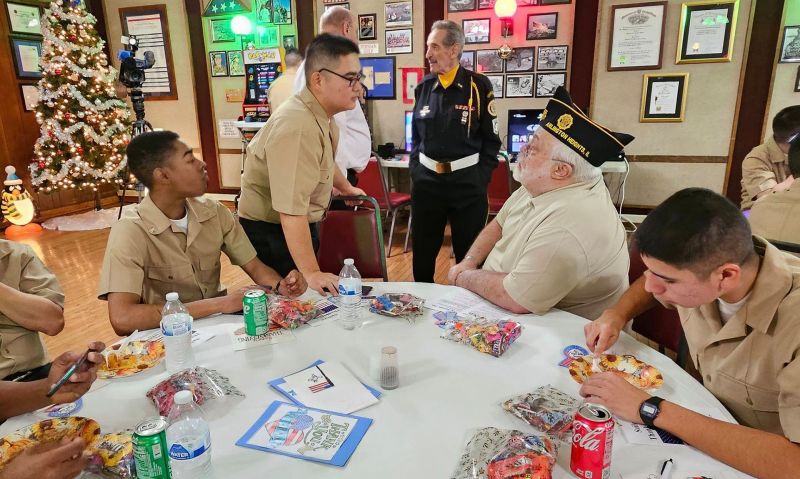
[[707, 31], [27, 55], [25, 19], [637, 36], [664, 97], [790, 46]]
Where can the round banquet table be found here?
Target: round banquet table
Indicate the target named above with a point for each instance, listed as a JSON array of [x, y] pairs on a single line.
[[447, 391]]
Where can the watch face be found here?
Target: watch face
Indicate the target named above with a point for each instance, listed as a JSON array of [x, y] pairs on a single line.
[[649, 409]]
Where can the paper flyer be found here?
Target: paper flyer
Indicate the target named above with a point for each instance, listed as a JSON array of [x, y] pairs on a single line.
[[466, 303], [330, 386], [279, 384], [640, 434], [306, 433]]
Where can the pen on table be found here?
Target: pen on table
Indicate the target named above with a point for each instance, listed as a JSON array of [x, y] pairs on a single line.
[[666, 469], [72, 369]]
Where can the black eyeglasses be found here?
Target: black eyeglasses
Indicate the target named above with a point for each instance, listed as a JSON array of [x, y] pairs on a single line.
[[351, 80]]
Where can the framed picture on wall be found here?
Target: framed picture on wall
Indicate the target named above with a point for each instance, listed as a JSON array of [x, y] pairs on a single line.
[[27, 55], [235, 63], [267, 36], [521, 60], [487, 61], [366, 27], [476, 30], [637, 36], [797, 80], [486, 5], [379, 77], [546, 83], [24, 19], [542, 26], [554, 2], [664, 97], [263, 9], [281, 12], [221, 30], [151, 21], [497, 85], [519, 86], [343, 5], [707, 31], [552, 58], [30, 96], [790, 46], [289, 41], [460, 5], [219, 63], [398, 41], [468, 60], [398, 14]]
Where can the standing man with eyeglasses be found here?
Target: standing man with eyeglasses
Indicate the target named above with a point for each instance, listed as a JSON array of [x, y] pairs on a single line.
[[290, 169]]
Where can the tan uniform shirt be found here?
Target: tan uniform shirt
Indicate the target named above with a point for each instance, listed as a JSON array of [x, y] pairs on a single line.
[[776, 216], [281, 89], [752, 362], [289, 166], [20, 348], [149, 256], [763, 168], [564, 249]]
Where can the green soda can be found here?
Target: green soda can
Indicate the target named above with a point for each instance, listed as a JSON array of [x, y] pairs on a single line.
[[150, 449], [256, 318]]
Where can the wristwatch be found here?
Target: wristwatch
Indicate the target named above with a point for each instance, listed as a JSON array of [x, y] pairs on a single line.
[[649, 410]]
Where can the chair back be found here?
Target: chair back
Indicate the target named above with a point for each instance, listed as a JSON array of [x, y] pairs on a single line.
[[373, 183], [353, 233], [499, 189]]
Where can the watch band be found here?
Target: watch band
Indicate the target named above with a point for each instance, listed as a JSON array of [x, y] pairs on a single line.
[[649, 410]]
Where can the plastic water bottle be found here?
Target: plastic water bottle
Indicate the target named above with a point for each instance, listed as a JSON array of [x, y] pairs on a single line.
[[176, 326], [349, 294], [188, 438]]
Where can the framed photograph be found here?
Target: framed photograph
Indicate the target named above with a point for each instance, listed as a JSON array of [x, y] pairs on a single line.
[[488, 62], [379, 77], [398, 14], [552, 58], [411, 78], [460, 5], [497, 85], [221, 31], [664, 97], [152, 23], [263, 10], [519, 86], [476, 30], [547, 83], [219, 63], [790, 47], [30, 96], [289, 41], [797, 80], [267, 36], [542, 26], [707, 31], [24, 19], [398, 41], [343, 5], [486, 5], [27, 54], [521, 60], [637, 36], [468, 60], [366, 27], [282, 12], [235, 63]]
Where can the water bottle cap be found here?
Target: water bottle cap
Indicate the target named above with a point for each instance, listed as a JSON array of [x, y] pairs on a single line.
[[183, 397], [349, 261], [172, 296], [389, 350]]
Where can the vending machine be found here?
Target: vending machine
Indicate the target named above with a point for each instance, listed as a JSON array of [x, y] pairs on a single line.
[[261, 68]]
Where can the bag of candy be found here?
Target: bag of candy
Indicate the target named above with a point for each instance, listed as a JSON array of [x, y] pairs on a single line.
[[490, 337], [291, 313], [494, 453], [548, 409], [112, 456], [206, 385], [397, 305]]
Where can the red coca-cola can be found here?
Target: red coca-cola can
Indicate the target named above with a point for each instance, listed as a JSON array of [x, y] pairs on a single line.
[[592, 435]]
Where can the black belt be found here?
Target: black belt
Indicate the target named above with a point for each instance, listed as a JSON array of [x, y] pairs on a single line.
[[30, 375]]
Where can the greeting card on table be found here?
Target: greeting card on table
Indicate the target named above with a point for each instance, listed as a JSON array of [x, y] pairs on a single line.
[[306, 433], [330, 386], [279, 384]]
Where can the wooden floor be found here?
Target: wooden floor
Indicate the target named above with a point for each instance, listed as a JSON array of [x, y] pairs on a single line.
[[76, 257]]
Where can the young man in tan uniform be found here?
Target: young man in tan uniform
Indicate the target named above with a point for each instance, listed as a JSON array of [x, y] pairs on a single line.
[[776, 216], [557, 242], [172, 242], [738, 298], [765, 168], [290, 171], [31, 302]]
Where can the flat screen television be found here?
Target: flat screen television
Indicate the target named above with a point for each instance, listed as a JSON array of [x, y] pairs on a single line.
[[522, 124]]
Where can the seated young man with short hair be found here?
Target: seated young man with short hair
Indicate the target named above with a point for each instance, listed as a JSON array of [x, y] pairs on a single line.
[[172, 242], [775, 215], [738, 298]]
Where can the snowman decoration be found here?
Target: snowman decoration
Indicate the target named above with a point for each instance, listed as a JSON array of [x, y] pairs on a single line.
[[17, 206]]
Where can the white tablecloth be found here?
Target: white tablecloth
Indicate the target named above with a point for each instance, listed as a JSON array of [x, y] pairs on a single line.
[[447, 390]]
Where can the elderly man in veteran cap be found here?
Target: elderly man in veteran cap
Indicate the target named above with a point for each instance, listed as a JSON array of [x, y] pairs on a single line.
[[557, 242]]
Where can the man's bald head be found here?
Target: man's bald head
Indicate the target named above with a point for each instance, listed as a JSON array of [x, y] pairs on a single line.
[[339, 21]]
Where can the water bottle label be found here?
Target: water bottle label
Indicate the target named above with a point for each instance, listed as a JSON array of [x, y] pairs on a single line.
[[175, 329], [346, 292], [186, 450]]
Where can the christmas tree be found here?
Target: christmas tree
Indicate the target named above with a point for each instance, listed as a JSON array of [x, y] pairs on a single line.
[[84, 126]]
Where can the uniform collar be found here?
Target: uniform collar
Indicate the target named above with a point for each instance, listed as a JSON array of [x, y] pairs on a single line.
[[776, 155], [558, 194], [460, 80], [157, 222], [311, 102]]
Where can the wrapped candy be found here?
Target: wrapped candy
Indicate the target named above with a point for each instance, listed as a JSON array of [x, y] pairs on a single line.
[[494, 453], [205, 384], [490, 337], [291, 313], [397, 305], [548, 409], [112, 456]]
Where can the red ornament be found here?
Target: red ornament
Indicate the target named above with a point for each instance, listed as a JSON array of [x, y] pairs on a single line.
[[80, 150], [67, 116], [41, 165], [58, 71], [72, 37]]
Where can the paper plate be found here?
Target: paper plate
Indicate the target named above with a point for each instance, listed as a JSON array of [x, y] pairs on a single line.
[[49, 430], [135, 358], [638, 373]]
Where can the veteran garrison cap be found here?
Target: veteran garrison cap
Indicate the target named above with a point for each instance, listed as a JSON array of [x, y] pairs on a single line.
[[572, 127]]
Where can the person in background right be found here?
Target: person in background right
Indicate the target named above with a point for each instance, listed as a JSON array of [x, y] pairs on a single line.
[[776, 216], [738, 299], [283, 86], [765, 168]]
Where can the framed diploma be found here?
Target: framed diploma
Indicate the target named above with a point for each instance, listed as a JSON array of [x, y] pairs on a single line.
[[27, 55], [664, 97], [707, 31], [25, 19], [637, 36]]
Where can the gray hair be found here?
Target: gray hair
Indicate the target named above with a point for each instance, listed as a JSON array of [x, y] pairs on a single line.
[[334, 18], [293, 57], [582, 170], [454, 34]]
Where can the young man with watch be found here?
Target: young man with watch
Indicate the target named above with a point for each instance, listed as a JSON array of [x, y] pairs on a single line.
[[172, 242], [738, 298]]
